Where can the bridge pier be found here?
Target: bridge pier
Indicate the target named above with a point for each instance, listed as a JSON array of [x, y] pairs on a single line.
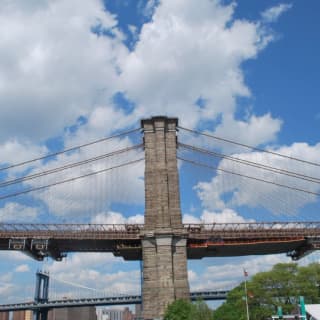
[[164, 253], [165, 273], [41, 295]]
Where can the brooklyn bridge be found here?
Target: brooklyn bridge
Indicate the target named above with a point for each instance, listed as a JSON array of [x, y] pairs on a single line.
[[164, 242]]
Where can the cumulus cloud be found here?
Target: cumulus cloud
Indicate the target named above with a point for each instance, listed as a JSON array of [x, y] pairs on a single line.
[[229, 274], [53, 67], [76, 72], [87, 196], [225, 216], [88, 270], [117, 218], [272, 14], [167, 73], [253, 131], [14, 151], [13, 211], [242, 191]]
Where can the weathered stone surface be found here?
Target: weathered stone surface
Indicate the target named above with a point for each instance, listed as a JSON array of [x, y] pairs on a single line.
[[164, 250]]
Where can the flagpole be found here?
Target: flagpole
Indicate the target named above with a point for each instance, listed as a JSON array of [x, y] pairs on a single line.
[[246, 296]]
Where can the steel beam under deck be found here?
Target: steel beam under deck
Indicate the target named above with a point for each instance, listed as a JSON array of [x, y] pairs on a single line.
[[55, 240], [238, 239], [203, 240]]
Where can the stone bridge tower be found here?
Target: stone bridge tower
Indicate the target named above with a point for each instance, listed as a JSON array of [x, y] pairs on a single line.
[[165, 277]]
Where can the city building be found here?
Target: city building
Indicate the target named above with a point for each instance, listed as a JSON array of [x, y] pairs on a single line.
[[78, 313], [138, 311], [115, 314], [4, 315], [22, 315]]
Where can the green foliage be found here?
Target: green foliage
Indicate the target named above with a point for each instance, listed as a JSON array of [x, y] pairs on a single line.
[[185, 310], [179, 310], [202, 311], [281, 286]]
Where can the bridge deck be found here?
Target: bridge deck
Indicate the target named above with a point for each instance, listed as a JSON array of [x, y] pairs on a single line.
[[203, 240], [105, 301]]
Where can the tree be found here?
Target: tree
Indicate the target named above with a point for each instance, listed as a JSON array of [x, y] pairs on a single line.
[[202, 311], [308, 283], [185, 310], [281, 286], [179, 310]]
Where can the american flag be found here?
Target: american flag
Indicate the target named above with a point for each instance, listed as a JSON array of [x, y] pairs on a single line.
[[245, 273]]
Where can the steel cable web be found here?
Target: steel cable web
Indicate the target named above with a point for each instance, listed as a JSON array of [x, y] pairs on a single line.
[[52, 184], [257, 180], [65, 289], [70, 149], [78, 182]]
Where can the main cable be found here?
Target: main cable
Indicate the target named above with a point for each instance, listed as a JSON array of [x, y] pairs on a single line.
[[250, 163], [67, 166], [11, 195], [69, 149], [250, 147], [248, 177]]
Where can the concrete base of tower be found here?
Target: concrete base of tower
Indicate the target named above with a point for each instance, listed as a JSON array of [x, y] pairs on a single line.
[[165, 277]]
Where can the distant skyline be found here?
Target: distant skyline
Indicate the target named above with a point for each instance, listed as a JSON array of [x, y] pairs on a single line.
[[75, 71]]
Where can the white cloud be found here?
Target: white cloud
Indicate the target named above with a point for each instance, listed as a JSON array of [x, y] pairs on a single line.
[[53, 68], [167, 73], [85, 271], [225, 216], [63, 71], [188, 218], [22, 268], [93, 194], [13, 211], [6, 290], [13, 256], [149, 8], [117, 218], [272, 14], [254, 131], [6, 277], [192, 276], [243, 191], [81, 260], [13, 151], [229, 274]]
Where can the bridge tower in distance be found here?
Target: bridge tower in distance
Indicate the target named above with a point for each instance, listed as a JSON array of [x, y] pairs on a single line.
[[164, 240]]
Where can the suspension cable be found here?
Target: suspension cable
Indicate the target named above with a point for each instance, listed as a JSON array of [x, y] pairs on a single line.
[[248, 177], [11, 195], [251, 163], [69, 149], [250, 147], [67, 166], [75, 284]]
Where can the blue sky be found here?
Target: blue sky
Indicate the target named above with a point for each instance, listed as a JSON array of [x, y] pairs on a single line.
[[73, 72]]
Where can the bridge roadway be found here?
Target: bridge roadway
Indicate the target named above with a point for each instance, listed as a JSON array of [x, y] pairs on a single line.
[[203, 240], [104, 301]]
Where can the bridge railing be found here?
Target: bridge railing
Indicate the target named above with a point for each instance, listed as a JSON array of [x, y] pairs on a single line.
[[108, 300], [254, 230], [254, 225], [70, 231], [132, 231]]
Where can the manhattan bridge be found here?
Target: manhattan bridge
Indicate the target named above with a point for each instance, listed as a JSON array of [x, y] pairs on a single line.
[[163, 242]]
